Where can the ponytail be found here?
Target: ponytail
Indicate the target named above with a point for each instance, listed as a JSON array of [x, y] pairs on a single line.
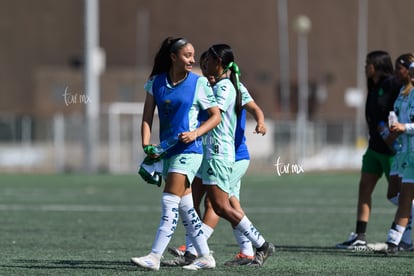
[[235, 79], [162, 60]]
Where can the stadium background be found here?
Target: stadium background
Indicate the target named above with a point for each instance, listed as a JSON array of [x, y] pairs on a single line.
[[42, 56]]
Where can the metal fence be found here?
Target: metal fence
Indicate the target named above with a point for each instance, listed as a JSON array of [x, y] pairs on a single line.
[[57, 144]]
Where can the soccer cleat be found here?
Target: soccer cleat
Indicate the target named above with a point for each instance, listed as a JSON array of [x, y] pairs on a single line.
[[182, 248], [377, 247], [239, 259], [386, 248], [353, 243], [392, 249], [182, 260], [204, 262], [151, 261], [177, 251], [403, 246], [263, 254]]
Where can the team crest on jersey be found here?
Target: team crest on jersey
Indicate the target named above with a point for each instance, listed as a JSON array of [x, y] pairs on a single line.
[[220, 99], [211, 98]]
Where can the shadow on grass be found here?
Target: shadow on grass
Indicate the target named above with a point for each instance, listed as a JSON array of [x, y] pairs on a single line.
[[72, 264]]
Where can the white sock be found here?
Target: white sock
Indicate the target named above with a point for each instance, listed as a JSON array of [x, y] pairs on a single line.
[[394, 200], [208, 231], [251, 233], [394, 235], [407, 236], [168, 223], [189, 245], [244, 243], [193, 225]]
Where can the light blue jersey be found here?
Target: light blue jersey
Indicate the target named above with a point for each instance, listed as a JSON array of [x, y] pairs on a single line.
[[403, 108], [408, 138], [408, 120]]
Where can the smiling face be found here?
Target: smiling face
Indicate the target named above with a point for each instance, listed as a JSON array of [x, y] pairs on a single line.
[[183, 60]]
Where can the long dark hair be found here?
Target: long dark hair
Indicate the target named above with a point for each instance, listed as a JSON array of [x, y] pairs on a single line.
[[225, 53], [162, 60], [382, 63]]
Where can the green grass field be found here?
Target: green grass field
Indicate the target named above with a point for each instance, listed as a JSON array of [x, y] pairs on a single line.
[[92, 225]]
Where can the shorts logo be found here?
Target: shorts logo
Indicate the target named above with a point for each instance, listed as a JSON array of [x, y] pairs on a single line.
[[183, 160], [210, 171]]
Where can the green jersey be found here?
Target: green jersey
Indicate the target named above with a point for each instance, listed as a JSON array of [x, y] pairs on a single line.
[[219, 142]]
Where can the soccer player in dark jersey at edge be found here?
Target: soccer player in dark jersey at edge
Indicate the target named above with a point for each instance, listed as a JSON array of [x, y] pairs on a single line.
[[383, 89]]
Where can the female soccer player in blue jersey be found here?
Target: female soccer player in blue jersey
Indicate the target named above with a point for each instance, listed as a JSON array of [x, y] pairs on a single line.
[[179, 96]]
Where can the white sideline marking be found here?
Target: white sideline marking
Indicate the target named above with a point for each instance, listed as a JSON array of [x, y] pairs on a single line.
[[156, 208]]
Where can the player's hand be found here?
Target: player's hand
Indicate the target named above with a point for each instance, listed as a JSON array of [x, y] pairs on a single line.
[[260, 128], [397, 128], [150, 151], [188, 136]]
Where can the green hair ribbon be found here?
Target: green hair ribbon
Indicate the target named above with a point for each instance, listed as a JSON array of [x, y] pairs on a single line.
[[235, 68]]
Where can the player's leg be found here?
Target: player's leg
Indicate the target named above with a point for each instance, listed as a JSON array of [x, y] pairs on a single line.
[[246, 252], [371, 171], [401, 218], [217, 191]]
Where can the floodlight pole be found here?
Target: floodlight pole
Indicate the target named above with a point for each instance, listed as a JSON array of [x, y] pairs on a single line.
[[284, 68], [93, 67], [362, 51], [302, 27]]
